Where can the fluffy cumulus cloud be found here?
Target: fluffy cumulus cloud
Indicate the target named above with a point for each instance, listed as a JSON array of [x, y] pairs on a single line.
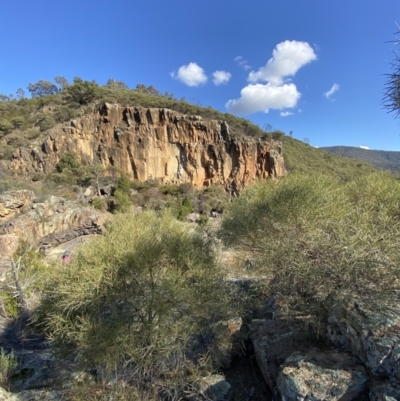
[[269, 87], [221, 77], [260, 97], [286, 113], [364, 147], [287, 58], [191, 75], [330, 92]]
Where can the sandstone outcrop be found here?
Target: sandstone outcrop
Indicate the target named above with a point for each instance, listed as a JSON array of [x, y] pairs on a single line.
[[43, 224], [157, 144]]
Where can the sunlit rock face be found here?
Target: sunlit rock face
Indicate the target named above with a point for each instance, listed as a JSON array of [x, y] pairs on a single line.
[[158, 144]]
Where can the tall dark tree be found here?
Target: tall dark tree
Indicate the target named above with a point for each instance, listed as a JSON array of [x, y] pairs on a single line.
[[391, 98], [42, 88], [82, 92]]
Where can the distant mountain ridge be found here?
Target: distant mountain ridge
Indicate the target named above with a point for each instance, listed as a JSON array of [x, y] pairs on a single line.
[[382, 159]]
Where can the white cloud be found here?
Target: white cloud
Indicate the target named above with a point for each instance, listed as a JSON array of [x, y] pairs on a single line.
[[260, 97], [274, 93], [286, 113], [242, 62], [191, 75], [221, 77], [300, 110], [330, 92], [287, 58], [364, 147]]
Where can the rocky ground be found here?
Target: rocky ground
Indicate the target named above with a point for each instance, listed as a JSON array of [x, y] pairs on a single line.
[[271, 356]]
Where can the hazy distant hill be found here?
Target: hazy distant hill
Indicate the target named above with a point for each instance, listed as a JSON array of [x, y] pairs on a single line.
[[385, 160]]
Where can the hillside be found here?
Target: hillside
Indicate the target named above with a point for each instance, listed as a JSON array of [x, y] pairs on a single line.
[[28, 123], [305, 159], [382, 159]]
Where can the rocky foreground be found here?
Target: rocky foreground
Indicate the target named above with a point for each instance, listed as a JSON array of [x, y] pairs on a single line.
[[359, 358]]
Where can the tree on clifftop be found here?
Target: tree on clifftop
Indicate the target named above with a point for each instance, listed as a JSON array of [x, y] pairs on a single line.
[[42, 88]]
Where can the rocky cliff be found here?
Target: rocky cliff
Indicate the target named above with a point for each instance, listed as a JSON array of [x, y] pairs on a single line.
[[157, 144]]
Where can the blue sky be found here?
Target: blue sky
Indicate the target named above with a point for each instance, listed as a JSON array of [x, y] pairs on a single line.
[[314, 67]]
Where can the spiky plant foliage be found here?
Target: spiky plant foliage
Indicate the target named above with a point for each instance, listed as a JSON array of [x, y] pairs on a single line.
[[316, 238], [133, 301]]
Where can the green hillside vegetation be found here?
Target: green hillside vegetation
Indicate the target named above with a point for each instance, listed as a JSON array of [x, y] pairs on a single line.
[[318, 238], [305, 159], [382, 159]]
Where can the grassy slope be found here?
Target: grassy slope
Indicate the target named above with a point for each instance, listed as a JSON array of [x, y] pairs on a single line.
[[302, 158], [384, 160]]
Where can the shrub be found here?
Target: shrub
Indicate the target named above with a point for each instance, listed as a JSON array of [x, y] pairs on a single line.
[[32, 269], [17, 141], [5, 127], [123, 200], [8, 363], [136, 298], [124, 185], [32, 134], [68, 161], [70, 171], [10, 303], [185, 208], [99, 203], [317, 238], [46, 123], [64, 113], [18, 121]]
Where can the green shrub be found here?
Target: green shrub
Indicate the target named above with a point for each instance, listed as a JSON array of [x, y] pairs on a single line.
[[32, 268], [5, 127], [185, 208], [17, 141], [203, 220], [46, 123], [317, 237], [99, 203], [68, 161], [70, 171], [10, 303], [124, 185], [64, 113], [137, 297], [32, 134], [123, 200], [18, 121], [8, 363]]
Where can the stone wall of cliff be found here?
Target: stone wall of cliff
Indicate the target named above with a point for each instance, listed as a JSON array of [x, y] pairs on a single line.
[[157, 144]]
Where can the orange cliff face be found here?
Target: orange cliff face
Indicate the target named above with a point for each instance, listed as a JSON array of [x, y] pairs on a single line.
[[158, 144]]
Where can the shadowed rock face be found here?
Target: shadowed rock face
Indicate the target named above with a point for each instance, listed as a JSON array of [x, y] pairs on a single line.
[[158, 144]]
